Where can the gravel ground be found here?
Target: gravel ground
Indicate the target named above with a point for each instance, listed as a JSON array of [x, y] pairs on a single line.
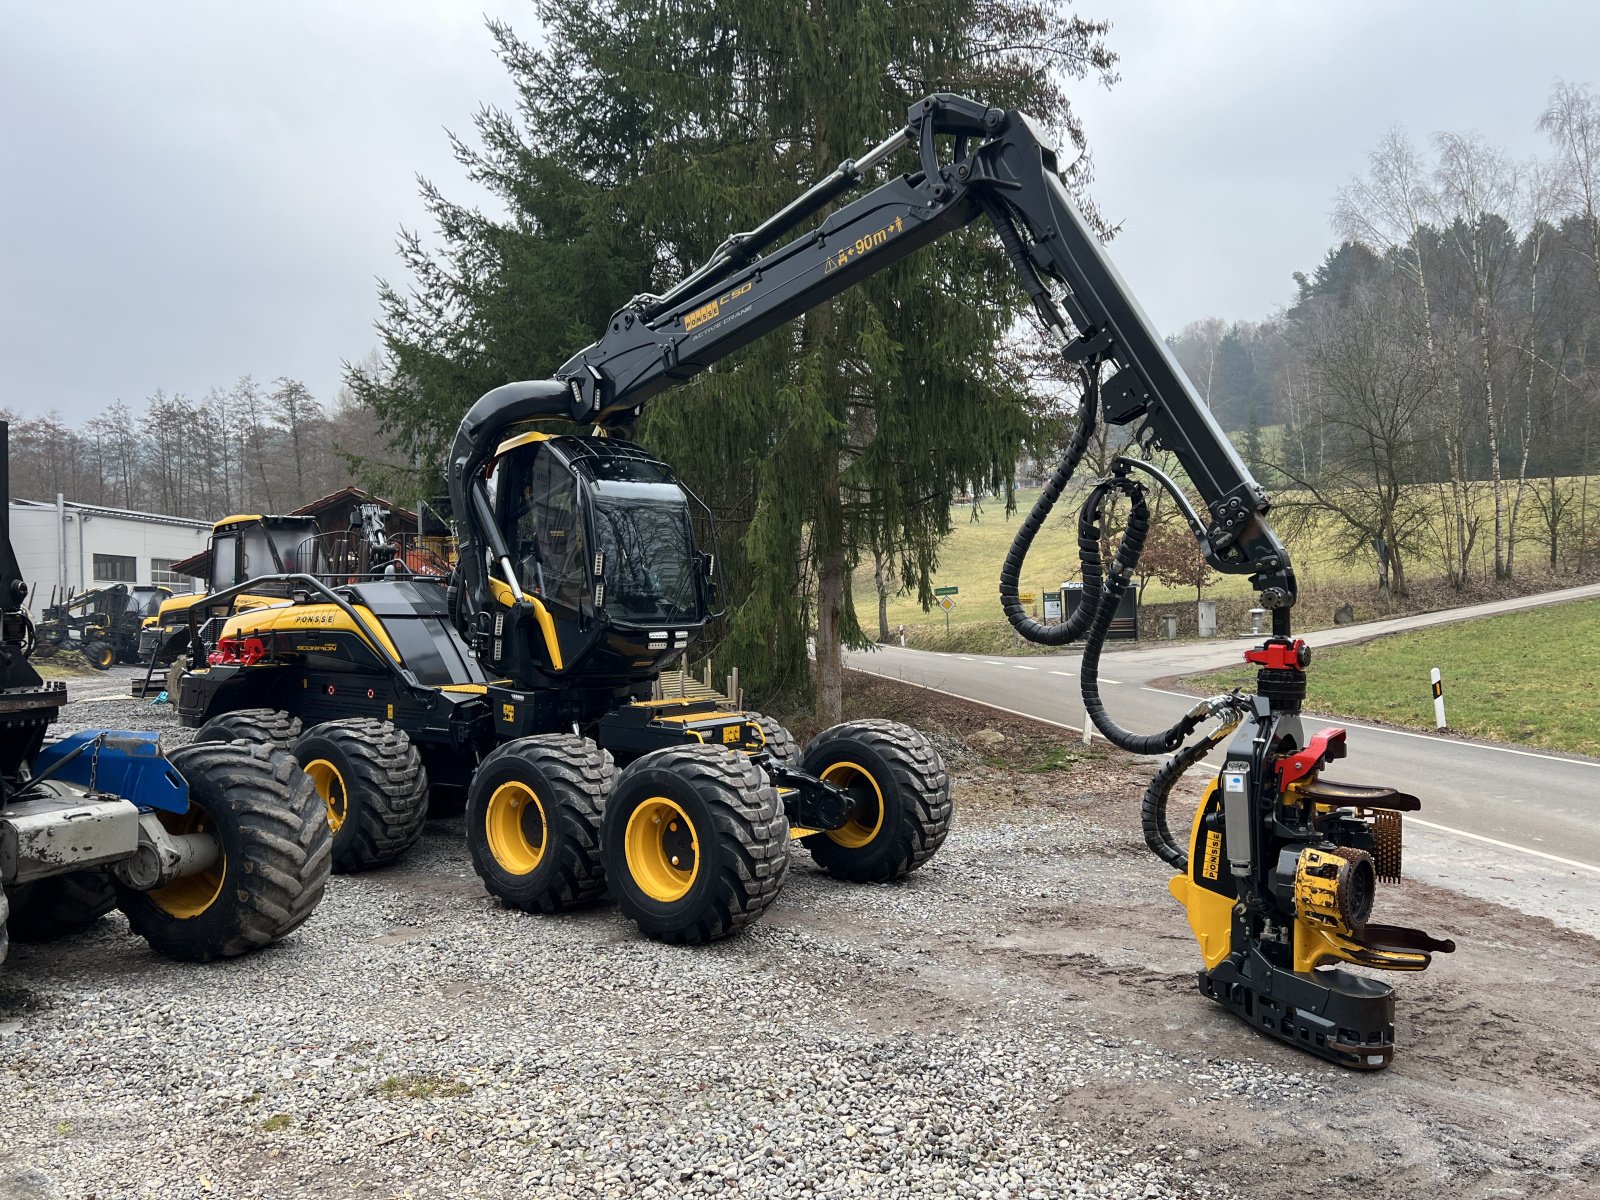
[[1016, 1020]]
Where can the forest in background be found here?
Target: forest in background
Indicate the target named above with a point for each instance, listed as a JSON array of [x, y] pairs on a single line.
[[1434, 384], [250, 447]]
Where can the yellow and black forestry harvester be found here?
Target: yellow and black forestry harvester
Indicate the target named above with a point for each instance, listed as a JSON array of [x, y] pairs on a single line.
[[581, 576]]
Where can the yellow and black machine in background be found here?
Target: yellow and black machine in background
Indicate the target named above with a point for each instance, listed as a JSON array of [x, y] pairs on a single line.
[[580, 577]]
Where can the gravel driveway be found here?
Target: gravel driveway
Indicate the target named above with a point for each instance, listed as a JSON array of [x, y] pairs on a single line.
[[1018, 1019]]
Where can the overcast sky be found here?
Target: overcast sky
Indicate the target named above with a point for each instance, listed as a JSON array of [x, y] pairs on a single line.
[[194, 191]]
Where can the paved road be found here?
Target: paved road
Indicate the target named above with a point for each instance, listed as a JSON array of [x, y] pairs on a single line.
[[1499, 822]]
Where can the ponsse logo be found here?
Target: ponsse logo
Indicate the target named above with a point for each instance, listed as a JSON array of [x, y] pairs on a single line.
[[712, 310]]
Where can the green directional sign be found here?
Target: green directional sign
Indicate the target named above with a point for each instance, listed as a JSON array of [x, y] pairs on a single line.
[[947, 591]]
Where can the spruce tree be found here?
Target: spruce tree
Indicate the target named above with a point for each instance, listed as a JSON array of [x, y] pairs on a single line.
[[647, 132]]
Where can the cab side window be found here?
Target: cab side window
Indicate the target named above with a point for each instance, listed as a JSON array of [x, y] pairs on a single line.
[[550, 532]]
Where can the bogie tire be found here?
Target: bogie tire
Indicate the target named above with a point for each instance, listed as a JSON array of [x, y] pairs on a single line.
[[266, 726], [99, 655], [904, 811], [781, 746], [373, 785], [737, 834], [276, 854], [47, 909], [533, 821]]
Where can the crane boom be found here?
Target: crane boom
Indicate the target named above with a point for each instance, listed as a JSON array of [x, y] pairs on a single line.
[[1000, 169]]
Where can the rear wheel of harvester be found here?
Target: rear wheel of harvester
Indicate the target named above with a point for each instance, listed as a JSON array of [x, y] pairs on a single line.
[[99, 655], [695, 843], [781, 746], [47, 909], [372, 781], [901, 813], [272, 831], [533, 821], [265, 726]]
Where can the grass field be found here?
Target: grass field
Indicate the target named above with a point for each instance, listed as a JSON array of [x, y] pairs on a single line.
[[971, 556], [1525, 677]]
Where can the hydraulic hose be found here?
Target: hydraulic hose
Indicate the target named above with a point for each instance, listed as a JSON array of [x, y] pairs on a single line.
[[1102, 589], [1153, 811], [1011, 571]]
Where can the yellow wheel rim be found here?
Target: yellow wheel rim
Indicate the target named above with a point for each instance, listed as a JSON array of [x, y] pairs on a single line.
[[330, 786], [866, 818], [516, 826], [662, 848], [190, 896]]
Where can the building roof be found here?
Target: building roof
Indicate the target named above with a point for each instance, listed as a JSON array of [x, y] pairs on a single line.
[[350, 495], [199, 564], [127, 514]]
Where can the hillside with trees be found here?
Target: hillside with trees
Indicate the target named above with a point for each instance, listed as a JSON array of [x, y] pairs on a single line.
[[1433, 385]]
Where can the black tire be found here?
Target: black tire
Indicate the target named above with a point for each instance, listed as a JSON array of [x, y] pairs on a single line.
[[99, 655], [781, 746], [533, 821], [736, 841], [52, 908], [264, 726], [276, 854], [373, 785], [903, 811]]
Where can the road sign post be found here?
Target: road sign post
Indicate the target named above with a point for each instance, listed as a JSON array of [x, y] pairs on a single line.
[[946, 602]]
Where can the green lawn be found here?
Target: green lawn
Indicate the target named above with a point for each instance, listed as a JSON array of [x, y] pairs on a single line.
[[1526, 677], [971, 556]]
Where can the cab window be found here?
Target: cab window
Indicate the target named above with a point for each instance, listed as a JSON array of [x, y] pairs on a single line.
[[547, 519]]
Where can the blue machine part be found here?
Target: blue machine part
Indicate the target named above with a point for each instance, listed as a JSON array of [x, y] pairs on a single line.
[[118, 762]]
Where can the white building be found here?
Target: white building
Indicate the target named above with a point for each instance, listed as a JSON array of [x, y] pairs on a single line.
[[85, 546]]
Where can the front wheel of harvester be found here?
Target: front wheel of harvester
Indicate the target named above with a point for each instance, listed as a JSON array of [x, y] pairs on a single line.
[[99, 655], [696, 844], [373, 782], [533, 821], [901, 813], [272, 830], [47, 909], [267, 726]]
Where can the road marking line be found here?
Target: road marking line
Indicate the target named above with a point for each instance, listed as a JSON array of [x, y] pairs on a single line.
[[1022, 667], [991, 663], [1411, 819], [1478, 837], [928, 687], [1068, 674], [964, 658], [1427, 737], [1103, 679]]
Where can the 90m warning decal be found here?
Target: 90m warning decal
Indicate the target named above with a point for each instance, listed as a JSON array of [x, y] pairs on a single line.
[[864, 245]]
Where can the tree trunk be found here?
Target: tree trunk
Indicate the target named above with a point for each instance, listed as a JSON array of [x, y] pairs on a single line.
[[883, 595], [1493, 418], [830, 619]]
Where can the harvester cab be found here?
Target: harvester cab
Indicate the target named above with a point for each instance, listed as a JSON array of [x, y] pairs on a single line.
[[607, 544]]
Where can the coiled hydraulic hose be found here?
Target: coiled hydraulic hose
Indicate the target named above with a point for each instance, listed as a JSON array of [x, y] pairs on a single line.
[[1102, 591], [1011, 570]]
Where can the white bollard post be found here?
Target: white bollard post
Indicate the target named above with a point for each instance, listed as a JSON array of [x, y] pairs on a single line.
[[1438, 698], [1088, 729]]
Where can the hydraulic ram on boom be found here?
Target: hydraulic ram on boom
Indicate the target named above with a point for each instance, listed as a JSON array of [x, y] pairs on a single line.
[[1280, 867]]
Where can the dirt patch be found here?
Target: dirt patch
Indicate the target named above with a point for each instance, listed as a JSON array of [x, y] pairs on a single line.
[[1491, 1093]]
